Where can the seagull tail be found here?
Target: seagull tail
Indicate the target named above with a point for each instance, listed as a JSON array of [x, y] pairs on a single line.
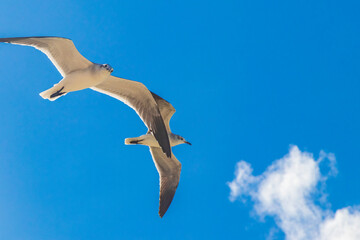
[[132, 141], [53, 93]]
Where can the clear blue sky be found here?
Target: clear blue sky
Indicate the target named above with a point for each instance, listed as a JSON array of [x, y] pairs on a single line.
[[247, 78]]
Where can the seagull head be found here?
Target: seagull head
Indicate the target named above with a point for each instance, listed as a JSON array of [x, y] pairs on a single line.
[[181, 140], [108, 67]]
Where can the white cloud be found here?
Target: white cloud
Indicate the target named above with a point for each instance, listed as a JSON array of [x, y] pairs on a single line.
[[344, 225], [244, 179], [288, 191]]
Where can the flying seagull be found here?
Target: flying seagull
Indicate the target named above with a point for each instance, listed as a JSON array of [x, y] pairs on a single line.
[[79, 73], [168, 168]]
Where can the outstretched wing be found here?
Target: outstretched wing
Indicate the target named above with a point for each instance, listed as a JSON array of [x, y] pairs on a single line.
[[166, 110], [169, 171], [138, 97], [61, 51]]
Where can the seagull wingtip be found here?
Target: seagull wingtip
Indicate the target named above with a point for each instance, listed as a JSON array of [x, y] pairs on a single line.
[[161, 213]]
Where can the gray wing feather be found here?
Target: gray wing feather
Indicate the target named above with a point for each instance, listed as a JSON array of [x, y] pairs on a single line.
[[169, 171], [166, 109], [61, 51], [138, 97]]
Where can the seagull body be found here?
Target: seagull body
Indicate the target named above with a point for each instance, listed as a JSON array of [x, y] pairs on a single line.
[[149, 140], [79, 73], [77, 80], [169, 168]]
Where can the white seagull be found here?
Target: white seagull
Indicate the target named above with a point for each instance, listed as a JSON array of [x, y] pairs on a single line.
[[79, 73], [169, 168]]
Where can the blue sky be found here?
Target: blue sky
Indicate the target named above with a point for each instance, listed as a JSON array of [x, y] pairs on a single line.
[[248, 79]]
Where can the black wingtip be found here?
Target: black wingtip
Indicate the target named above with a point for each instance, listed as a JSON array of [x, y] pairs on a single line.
[[9, 40], [166, 197], [163, 209]]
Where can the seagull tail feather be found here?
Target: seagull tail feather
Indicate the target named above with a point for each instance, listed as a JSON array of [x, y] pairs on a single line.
[[53, 93], [131, 141]]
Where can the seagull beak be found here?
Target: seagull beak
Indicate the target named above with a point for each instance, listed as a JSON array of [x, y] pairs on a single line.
[[111, 70], [188, 143]]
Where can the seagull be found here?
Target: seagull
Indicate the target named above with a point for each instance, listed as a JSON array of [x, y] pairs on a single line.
[[79, 73], [169, 168]]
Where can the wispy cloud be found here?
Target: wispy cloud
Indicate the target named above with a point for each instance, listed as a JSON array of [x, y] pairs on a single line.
[[289, 191]]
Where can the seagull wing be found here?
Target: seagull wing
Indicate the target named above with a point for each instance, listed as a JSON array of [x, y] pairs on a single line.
[[166, 109], [61, 52], [138, 97], [169, 170]]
